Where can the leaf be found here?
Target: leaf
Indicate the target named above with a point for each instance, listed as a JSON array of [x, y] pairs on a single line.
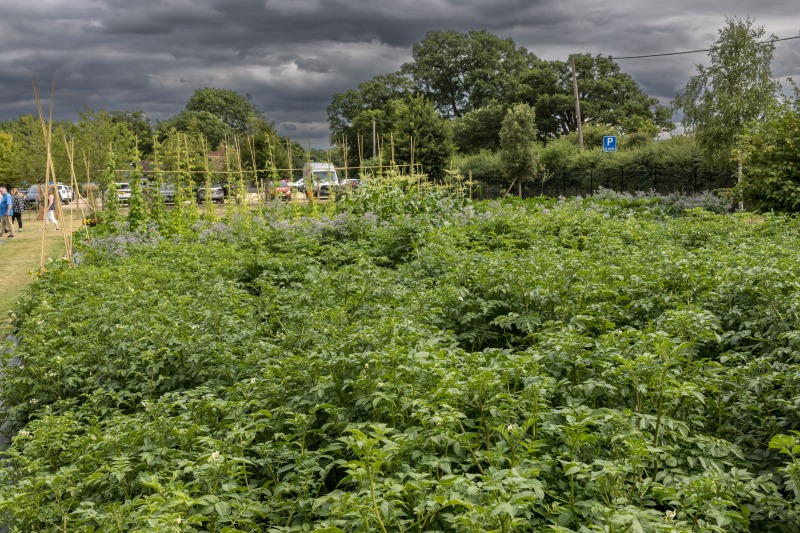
[[222, 508]]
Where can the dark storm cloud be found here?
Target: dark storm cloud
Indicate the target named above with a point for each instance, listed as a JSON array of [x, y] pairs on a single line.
[[292, 55]]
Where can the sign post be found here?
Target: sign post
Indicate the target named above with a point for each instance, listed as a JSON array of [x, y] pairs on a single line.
[[610, 143]]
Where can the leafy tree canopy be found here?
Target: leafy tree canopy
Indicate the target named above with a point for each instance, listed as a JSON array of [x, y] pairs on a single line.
[[607, 96], [140, 125], [461, 72], [7, 151], [415, 121], [474, 77], [233, 109], [212, 128], [516, 137], [735, 89], [479, 129], [351, 113], [771, 149]]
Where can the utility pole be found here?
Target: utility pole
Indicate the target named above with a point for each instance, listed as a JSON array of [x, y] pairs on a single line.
[[577, 102], [374, 140]]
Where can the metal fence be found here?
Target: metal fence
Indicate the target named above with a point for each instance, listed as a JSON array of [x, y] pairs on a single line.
[[585, 182]]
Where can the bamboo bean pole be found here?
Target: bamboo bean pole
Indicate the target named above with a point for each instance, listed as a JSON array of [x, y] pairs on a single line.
[[360, 143], [73, 183], [207, 197], [228, 170], [47, 132], [192, 208], [242, 193], [251, 144]]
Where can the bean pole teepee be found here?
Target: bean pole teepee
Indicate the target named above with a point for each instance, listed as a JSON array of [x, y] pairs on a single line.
[[50, 176]]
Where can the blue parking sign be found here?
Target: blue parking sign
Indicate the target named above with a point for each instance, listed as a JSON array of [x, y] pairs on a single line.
[[610, 143]]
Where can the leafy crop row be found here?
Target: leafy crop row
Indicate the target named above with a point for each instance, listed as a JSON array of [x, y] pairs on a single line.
[[591, 365]]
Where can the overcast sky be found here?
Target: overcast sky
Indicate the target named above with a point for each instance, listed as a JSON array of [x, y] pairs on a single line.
[[292, 55]]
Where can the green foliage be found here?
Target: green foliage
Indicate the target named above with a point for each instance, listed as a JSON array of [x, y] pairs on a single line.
[[140, 126], [197, 123], [474, 77], [420, 136], [608, 96], [351, 114], [517, 135], [484, 166], [96, 134], [137, 211], [462, 72], [231, 108], [111, 195], [479, 129], [29, 157], [737, 88], [585, 365], [772, 157], [93, 135], [8, 150]]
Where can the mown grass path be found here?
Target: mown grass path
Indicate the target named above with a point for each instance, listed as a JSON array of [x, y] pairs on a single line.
[[21, 256]]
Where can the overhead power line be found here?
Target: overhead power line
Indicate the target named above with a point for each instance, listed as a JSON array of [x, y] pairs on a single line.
[[695, 51]]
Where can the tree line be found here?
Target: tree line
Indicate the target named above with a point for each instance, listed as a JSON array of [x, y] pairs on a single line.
[[213, 119], [496, 110], [477, 104]]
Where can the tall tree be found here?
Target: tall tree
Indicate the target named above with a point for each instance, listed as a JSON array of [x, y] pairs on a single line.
[[516, 139], [351, 113], [30, 154], [195, 123], [737, 88], [229, 106], [771, 148], [461, 72], [96, 134], [479, 129], [140, 126], [417, 124], [607, 95], [7, 152]]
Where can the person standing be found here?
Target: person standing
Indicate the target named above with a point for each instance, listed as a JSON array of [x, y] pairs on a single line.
[[51, 210], [18, 205], [6, 210]]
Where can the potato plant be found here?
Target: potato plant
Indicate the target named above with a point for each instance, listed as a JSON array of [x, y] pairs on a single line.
[[607, 365]]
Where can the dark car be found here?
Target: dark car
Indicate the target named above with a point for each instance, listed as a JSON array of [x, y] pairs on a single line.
[[167, 193]]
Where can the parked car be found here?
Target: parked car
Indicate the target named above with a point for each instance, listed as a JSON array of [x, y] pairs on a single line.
[[32, 196], [167, 192], [351, 184], [280, 189], [215, 192], [123, 192]]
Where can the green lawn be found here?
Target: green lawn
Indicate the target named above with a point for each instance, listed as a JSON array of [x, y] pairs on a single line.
[[22, 256]]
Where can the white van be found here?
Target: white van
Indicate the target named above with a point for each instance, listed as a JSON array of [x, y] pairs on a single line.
[[322, 178], [123, 191]]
